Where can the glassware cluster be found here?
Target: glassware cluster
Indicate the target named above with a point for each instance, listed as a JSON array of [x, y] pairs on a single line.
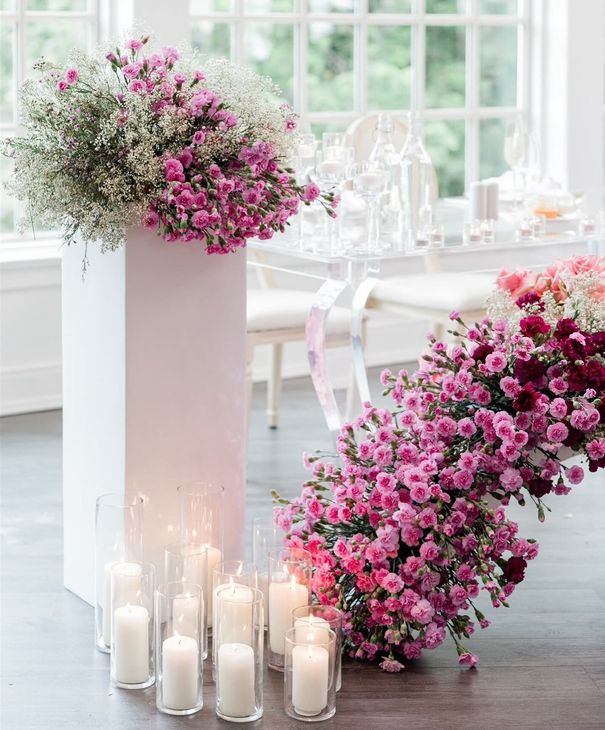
[[156, 627]]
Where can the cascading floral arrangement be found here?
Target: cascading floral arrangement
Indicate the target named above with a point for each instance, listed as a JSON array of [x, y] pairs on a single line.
[[200, 154], [411, 525]]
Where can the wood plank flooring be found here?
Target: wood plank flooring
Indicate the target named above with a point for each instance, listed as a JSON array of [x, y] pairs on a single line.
[[542, 660]]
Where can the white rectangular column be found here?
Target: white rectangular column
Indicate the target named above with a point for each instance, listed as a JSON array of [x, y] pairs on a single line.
[[154, 362]]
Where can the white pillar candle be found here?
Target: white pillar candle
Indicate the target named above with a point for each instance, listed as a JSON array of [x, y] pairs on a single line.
[[233, 603], [236, 690], [186, 619], [310, 673], [284, 597], [312, 629], [131, 644], [127, 586], [193, 572], [180, 672]]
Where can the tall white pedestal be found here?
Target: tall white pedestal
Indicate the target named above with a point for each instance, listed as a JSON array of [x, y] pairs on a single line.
[[153, 388]]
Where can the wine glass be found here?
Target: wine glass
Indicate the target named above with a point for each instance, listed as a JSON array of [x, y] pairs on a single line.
[[521, 153]]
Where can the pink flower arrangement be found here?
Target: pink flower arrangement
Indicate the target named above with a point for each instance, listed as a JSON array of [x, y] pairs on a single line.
[[402, 533], [198, 154]]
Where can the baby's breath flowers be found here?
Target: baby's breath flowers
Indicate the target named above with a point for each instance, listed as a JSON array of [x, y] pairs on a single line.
[[198, 154]]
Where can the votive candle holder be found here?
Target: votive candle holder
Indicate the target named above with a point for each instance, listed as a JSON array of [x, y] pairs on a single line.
[[118, 539], [310, 676], [290, 572], [179, 658], [132, 638], [239, 639]]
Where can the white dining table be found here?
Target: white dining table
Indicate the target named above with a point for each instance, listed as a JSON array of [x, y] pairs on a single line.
[[359, 271]]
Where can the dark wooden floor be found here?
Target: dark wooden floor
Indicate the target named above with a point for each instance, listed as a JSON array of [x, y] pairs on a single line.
[[542, 661]]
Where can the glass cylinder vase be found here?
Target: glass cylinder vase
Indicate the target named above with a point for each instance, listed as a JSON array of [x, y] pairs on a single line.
[[203, 522], [188, 563], [290, 571], [178, 640], [118, 539], [310, 676], [132, 660], [239, 639], [239, 577], [266, 538], [312, 622]]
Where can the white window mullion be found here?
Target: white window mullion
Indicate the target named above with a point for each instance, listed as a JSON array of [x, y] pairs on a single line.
[[361, 59], [303, 63], [473, 80], [419, 58]]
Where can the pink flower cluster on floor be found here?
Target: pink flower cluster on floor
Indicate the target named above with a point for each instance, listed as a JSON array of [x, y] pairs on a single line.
[[402, 536], [220, 200]]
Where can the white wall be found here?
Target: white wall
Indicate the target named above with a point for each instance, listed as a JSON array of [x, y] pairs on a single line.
[[30, 334]]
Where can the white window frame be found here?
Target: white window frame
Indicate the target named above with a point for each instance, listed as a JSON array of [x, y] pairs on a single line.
[[418, 20], [13, 242]]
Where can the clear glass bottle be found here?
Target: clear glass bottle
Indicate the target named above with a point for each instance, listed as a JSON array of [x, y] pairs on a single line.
[[416, 181], [385, 156]]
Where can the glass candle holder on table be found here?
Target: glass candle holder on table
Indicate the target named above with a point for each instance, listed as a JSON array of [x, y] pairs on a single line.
[[310, 676], [524, 230], [472, 233], [266, 538], [238, 640], [290, 572], [332, 170], [239, 578], [305, 157], [118, 539], [132, 660], [488, 231], [312, 622], [178, 640], [370, 181], [187, 563], [202, 523]]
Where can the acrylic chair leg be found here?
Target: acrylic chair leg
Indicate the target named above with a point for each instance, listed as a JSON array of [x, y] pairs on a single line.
[[274, 385], [315, 332]]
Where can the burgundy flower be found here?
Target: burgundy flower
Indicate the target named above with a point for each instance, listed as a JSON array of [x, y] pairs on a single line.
[[514, 570], [481, 352], [530, 298], [539, 487], [526, 399], [573, 349], [596, 464], [530, 370], [564, 328], [534, 325], [575, 438], [577, 378]]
